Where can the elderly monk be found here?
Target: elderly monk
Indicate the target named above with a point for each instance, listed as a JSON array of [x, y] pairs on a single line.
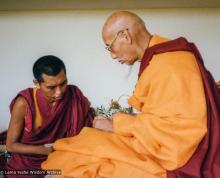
[[176, 132], [41, 115]]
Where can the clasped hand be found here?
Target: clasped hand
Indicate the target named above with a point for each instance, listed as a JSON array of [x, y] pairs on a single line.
[[103, 123]]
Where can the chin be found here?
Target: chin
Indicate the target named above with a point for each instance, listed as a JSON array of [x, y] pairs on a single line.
[[131, 62]]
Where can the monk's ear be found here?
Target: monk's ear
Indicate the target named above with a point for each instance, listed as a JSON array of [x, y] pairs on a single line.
[[36, 83], [126, 35]]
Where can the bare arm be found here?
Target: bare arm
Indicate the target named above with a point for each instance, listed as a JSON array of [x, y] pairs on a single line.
[[15, 129]]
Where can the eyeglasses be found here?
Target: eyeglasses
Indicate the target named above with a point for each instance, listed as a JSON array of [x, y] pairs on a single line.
[[109, 47]]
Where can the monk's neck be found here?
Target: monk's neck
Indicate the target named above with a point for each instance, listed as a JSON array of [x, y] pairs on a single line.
[[144, 44]]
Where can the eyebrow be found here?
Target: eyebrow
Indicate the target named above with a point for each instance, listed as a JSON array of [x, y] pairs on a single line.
[[51, 86]]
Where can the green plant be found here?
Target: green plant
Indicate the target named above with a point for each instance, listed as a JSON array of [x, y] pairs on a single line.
[[113, 108]]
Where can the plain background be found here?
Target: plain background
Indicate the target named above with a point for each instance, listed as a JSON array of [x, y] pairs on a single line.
[[75, 37]]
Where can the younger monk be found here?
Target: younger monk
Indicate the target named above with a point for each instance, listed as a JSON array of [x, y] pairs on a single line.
[[176, 133], [41, 115]]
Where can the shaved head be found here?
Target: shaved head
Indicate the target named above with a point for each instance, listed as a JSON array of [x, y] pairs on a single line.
[[121, 20], [125, 36]]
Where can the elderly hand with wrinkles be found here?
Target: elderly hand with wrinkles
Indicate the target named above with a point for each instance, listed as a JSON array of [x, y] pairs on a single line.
[[104, 123]]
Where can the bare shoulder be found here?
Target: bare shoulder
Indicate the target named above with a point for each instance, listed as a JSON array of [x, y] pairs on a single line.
[[16, 124], [20, 105]]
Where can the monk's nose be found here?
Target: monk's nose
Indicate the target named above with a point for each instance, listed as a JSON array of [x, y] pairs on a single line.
[[113, 55], [58, 91]]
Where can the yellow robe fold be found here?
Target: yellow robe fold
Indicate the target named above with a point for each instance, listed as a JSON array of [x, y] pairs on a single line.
[[163, 136]]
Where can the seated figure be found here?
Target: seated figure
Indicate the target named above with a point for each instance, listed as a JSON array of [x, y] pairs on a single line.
[[175, 134], [41, 115]]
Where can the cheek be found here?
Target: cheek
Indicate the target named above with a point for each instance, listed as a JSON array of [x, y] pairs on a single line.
[[121, 54], [127, 56], [64, 88], [48, 93], [131, 55], [126, 51]]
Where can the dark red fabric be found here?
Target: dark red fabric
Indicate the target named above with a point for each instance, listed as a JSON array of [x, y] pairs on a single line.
[[2, 156], [3, 137], [65, 119], [205, 163]]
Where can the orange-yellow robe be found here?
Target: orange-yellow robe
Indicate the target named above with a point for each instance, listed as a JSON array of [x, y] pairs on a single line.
[[163, 136]]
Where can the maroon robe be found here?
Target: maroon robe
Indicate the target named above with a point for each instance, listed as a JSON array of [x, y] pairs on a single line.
[[2, 156], [65, 119], [205, 162]]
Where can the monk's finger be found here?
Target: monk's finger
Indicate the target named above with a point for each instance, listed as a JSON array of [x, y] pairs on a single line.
[[100, 117]]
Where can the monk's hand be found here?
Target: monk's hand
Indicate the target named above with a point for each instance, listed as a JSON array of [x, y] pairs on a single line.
[[47, 149], [103, 123]]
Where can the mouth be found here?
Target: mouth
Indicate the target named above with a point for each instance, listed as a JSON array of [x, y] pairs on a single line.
[[121, 61], [58, 98]]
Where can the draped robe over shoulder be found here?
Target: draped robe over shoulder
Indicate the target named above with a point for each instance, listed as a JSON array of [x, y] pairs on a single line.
[[175, 135], [45, 124]]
